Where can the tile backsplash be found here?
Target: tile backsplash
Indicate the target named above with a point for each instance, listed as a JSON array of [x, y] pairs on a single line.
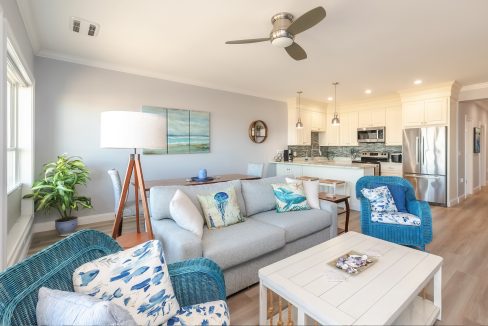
[[339, 151]]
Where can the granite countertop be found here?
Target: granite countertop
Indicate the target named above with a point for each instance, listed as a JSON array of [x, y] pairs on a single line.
[[331, 164]]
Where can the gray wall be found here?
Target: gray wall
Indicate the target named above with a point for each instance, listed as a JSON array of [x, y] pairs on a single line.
[[70, 97], [478, 112]]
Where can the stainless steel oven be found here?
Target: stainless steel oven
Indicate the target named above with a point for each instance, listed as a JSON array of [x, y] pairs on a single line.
[[371, 135]]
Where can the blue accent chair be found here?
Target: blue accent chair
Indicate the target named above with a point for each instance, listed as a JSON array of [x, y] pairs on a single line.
[[417, 236], [194, 281]]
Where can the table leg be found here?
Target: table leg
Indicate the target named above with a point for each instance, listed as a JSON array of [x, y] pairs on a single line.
[[438, 291], [348, 210], [300, 317], [263, 304]]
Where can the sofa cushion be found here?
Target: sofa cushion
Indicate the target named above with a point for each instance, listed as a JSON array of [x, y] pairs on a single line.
[[160, 197], [186, 214], [296, 224], [396, 218], [178, 244], [241, 242], [258, 194], [380, 199], [399, 194]]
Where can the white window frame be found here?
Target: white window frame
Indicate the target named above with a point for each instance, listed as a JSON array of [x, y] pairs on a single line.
[[12, 142]]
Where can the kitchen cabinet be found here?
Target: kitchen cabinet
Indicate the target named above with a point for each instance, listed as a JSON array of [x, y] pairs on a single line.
[[393, 126], [333, 132], [348, 129], [391, 169], [425, 112], [317, 121], [371, 118]]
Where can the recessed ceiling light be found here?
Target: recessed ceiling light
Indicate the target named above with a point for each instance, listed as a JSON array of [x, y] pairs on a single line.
[[330, 98], [418, 81], [368, 91]]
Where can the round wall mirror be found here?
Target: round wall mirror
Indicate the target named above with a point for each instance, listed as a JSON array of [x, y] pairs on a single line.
[[258, 131]]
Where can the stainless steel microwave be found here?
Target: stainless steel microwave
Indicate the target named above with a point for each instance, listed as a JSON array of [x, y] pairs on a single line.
[[371, 135]]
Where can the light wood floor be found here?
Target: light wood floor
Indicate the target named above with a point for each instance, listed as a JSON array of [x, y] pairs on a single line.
[[460, 237]]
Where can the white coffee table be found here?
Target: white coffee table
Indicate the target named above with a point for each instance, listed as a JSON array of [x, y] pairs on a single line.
[[385, 293]]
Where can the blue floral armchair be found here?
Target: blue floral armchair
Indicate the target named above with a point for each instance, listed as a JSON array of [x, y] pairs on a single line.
[[195, 281], [417, 236]]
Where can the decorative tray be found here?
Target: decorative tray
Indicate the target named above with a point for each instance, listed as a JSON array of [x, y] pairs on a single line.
[[197, 179], [353, 262]]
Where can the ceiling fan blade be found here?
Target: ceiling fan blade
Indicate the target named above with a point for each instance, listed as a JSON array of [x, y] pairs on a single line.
[[296, 52], [306, 21], [252, 40]]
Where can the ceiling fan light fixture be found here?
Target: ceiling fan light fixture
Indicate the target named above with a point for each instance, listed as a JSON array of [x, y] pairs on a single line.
[[282, 42]]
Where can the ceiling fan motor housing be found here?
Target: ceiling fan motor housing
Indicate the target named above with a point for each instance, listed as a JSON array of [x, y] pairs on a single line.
[[279, 36]]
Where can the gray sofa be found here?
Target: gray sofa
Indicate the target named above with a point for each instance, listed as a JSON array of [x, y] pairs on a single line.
[[242, 249]]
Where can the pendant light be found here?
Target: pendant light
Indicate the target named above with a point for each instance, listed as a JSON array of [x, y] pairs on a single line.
[[335, 121], [299, 123]]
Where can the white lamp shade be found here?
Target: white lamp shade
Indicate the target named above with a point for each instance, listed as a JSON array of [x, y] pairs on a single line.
[[131, 129]]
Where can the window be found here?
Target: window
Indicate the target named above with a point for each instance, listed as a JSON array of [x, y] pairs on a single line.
[[15, 84]]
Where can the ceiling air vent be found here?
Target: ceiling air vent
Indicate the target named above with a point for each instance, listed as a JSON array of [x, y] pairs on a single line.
[[84, 27]]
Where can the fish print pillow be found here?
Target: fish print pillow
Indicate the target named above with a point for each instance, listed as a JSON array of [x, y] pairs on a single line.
[[380, 199], [221, 208], [136, 279], [290, 197]]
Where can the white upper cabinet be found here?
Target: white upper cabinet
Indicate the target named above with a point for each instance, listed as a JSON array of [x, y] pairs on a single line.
[[348, 128], [318, 121], [371, 118], [312, 115], [425, 112], [332, 135], [393, 126]]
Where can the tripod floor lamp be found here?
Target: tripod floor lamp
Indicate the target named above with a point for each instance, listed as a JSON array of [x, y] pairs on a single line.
[[132, 130]]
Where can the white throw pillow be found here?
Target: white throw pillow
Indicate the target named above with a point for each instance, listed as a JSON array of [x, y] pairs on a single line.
[[137, 279], [311, 190], [185, 213]]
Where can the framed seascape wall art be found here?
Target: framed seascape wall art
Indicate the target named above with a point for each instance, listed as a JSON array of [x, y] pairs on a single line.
[[187, 131], [477, 140]]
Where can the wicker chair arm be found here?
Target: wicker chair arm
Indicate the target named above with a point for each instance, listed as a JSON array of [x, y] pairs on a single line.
[[196, 281]]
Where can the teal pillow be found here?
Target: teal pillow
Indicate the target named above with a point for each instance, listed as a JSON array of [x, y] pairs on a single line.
[[290, 197]]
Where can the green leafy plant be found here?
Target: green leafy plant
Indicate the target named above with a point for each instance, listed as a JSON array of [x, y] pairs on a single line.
[[57, 188]]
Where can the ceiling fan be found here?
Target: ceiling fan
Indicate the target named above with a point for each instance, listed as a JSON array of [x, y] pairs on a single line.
[[285, 29]]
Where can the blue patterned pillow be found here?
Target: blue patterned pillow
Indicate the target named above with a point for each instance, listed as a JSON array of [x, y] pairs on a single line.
[[380, 199], [399, 195], [209, 313], [221, 208], [290, 197], [136, 279]]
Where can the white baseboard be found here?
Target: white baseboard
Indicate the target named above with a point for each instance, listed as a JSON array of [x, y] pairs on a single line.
[[475, 190], [83, 220], [19, 239]]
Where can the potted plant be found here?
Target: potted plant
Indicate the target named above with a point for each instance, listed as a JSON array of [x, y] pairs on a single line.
[[57, 190]]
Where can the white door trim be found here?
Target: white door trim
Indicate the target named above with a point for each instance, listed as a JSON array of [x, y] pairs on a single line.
[[468, 155]]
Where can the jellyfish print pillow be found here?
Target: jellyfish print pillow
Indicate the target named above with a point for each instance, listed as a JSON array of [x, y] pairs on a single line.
[[221, 208], [136, 279]]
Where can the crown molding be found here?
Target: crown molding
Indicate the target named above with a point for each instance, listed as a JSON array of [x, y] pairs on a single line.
[[474, 87], [144, 73], [29, 23], [448, 89]]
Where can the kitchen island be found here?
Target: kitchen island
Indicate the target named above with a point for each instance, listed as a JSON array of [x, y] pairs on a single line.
[[338, 170]]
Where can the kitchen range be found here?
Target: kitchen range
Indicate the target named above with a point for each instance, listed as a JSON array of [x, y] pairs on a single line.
[[374, 158]]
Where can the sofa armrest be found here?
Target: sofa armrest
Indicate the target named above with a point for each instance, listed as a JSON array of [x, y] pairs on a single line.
[[197, 281], [178, 244], [332, 209]]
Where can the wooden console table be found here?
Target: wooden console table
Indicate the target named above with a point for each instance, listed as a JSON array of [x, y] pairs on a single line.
[[183, 182]]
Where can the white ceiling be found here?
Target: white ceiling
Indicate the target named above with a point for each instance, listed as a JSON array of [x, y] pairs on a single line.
[[379, 44]]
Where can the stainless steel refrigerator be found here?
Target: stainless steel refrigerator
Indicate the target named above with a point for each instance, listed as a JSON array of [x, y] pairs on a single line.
[[425, 162]]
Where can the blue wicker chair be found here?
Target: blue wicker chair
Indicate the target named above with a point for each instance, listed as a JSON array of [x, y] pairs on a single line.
[[417, 236], [194, 281]]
